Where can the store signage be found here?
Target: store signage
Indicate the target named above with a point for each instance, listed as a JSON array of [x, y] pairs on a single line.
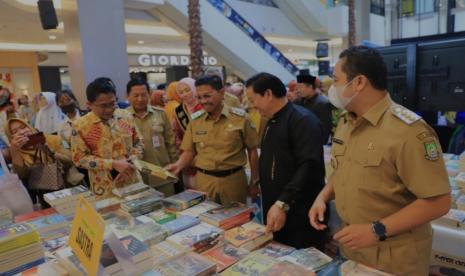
[[165, 60], [86, 237]]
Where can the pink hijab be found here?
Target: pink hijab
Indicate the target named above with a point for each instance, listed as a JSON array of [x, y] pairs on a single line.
[[190, 82]]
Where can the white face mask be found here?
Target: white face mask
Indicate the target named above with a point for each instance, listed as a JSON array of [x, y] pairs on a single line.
[[336, 98]]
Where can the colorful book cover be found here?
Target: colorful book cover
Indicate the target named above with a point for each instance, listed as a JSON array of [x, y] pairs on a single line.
[[50, 222], [130, 189], [184, 200], [253, 264], [181, 223], [310, 258], [222, 214], [287, 268], [225, 255], [107, 204], [51, 245], [35, 215], [245, 233], [167, 250], [138, 250], [200, 208], [150, 233], [200, 237], [66, 194], [276, 250], [17, 235], [161, 217], [187, 264]]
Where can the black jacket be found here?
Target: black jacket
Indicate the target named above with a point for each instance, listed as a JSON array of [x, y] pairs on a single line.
[[322, 108]]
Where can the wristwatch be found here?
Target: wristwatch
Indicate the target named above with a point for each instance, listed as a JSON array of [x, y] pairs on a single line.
[[379, 229], [282, 205]]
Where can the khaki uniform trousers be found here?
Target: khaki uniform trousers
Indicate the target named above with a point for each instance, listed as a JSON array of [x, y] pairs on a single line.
[[223, 190]]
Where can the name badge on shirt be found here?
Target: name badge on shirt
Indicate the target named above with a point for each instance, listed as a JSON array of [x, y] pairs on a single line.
[[156, 141]]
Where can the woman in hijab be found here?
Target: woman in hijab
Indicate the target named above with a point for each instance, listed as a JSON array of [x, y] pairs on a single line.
[[173, 101], [183, 114], [22, 156], [158, 98], [50, 117]]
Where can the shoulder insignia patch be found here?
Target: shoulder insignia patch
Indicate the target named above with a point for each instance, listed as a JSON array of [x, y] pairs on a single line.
[[197, 114], [238, 111], [405, 115], [431, 150]]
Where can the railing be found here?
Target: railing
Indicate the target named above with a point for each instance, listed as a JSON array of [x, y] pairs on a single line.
[[259, 39]]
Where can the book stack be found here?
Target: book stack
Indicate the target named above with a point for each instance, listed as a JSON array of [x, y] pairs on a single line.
[[349, 268], [198, 209], [64, 201], [149, 232], [454, 218], [184, 200], [139, 253], [249, 236], [228, 217], [309, 258], [187, 264], [20, 249], [225, 255], [51, 226], [199, 238], [6, 217], [258, 264], [45, 269], [108, 204], [142, 206], [130, 189], [35, 215], [161, 217], [181, 224], [276, 250], [167, 250]]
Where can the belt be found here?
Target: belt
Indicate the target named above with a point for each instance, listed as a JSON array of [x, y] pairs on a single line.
[[220, 173]]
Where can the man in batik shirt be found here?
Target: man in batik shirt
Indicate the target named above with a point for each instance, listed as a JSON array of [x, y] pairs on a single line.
[[105, 141]]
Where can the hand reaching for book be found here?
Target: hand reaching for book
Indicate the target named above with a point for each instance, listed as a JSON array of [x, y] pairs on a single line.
[[275, 219], [173, 168], [316, 214]]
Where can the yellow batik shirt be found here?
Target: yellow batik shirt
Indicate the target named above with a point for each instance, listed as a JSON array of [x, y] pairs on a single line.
[[96, 143]]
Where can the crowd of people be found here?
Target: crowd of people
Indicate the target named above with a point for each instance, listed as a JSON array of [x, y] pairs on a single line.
[[388, 180]]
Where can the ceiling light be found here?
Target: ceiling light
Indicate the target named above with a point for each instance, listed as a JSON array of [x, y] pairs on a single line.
[[52, 37], [33, 47], [140, 42], [153, 30]]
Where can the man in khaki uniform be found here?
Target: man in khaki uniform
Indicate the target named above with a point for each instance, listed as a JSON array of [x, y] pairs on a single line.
[[218, 140], [153, 124], [389, 178]]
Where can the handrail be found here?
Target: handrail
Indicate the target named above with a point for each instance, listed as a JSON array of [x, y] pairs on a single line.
[[257, 37]]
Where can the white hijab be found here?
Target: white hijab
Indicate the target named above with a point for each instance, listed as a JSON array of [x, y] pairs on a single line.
[[50, 117]]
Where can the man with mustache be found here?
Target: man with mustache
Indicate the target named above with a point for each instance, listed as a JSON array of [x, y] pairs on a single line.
[[217, 139]]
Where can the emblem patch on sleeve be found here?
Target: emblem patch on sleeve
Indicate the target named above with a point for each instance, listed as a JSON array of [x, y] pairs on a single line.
[[431, 150]]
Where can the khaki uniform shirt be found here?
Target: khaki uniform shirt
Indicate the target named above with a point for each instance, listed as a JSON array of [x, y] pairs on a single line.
[[232, 100], [159, 144], [95, 144], [382, 162], [220, 144]]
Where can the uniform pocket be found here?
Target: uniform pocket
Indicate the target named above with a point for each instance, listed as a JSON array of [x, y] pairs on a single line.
[[157, 129]]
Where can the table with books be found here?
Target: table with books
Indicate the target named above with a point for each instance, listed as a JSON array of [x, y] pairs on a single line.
[[184, 234]]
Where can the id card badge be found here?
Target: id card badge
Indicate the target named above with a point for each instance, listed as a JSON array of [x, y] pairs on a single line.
[[156, 141]]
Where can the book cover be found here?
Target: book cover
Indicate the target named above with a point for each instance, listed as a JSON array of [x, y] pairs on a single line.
[[167, 250], [223, 214], [253, 264], [200, 208], [184, 200], [276, 250], [17, 235], [200, 237], [143, 205], [150, 233], [181, 223], [66, 194], [225, 255], [138, 250], [130, 189], [51, 245], [309, 258], [161, 216], [35, 215], [154, 170], [23, 267], [107, 204], [44, 224], [287, 268], [249, 235], [187, 264], [119, 220], [350, 268]]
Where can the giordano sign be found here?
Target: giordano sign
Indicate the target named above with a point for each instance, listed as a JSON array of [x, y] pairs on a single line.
[[172, 60]]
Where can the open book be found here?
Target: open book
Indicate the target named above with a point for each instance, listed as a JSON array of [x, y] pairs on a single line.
[[154, 170]]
